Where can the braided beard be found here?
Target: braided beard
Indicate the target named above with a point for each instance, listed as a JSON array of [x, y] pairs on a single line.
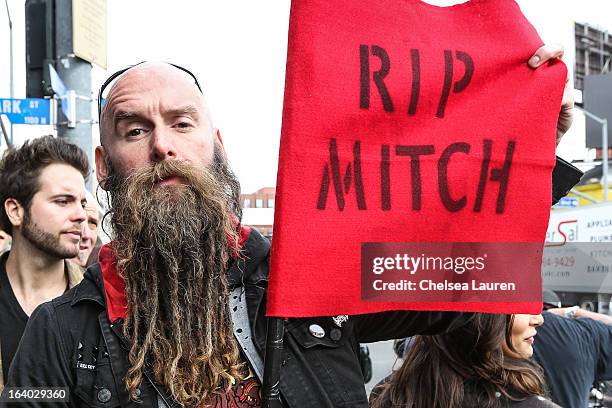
[[173, 244]]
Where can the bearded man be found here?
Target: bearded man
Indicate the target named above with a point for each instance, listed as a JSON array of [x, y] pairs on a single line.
[[174, 313]]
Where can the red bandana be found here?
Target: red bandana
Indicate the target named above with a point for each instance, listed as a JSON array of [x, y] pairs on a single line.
[[114, 285]]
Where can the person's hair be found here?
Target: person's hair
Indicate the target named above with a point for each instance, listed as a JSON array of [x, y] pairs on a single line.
[[463, 368], [20, 169]]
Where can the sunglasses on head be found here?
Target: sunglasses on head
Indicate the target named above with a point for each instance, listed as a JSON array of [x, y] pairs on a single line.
[[121, 71]]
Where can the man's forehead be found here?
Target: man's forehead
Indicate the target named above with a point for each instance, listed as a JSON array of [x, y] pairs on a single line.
[[92, 204], [64, 187], [151, 76], [57, 179], [92, 212], [147, 85]]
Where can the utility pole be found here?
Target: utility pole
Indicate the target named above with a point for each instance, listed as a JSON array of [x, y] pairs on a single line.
[[76, 74], [58, 39]]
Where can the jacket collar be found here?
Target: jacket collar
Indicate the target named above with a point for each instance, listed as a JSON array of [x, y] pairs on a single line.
[[91, 288], [243, 270]]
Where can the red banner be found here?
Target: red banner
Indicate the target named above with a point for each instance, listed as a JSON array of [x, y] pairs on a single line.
[[407, 122]]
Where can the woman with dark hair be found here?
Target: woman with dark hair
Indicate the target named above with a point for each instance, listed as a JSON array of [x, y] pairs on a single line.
[[484, 364]]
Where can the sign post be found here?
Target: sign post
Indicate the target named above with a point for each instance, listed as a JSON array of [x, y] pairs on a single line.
[[6, 138]]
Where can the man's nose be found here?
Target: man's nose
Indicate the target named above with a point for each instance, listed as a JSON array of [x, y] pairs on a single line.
[[86, 233], [79, 215], [162, 145]]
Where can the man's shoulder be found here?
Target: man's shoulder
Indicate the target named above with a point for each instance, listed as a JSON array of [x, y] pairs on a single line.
[[255, 243], [252, 264], [598, 333], [579, 326], [67, 318], [578, 340], [84, 296], [553, 321]]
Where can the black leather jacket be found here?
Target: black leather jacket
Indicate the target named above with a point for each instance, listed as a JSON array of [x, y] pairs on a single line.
[[69, 342]]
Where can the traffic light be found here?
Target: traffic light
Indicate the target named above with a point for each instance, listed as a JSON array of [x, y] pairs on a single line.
[[40, 46]]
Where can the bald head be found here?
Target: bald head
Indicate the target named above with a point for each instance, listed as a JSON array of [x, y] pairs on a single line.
[[145, 77], [153, 112]]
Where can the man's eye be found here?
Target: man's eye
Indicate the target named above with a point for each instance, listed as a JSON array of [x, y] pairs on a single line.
[[184, 125], [135, 132], [62, 202]]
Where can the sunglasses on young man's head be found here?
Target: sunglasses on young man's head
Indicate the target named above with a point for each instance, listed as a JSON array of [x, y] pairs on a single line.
[[114, 76]]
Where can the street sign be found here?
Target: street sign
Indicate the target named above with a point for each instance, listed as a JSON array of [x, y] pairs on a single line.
[[56, 83], [89, 34], [567, 202], [67, 97], [577, 254], [30, 111]]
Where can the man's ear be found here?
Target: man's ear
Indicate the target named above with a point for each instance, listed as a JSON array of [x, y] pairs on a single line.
[[101, 167], [14, 211], [218, 137], [219, 143]]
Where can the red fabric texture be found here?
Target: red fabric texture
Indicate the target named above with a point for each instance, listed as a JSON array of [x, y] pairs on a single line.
[[114, 284], [438, 81]]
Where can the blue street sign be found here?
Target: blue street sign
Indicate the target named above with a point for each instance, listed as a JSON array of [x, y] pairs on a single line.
[[31, 111], [567, 202]]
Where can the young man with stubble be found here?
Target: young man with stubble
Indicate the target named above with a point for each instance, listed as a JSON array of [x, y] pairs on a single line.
[[42, 197]]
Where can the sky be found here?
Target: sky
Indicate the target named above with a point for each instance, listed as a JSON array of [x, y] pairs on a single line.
[[238, 50]]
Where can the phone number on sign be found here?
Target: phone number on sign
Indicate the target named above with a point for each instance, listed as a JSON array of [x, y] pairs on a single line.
[[558, 261], [41, 394]]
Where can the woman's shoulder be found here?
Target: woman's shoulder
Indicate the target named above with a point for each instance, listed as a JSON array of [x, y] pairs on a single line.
[[534, 401]]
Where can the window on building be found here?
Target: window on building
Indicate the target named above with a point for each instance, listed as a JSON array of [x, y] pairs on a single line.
[[258, 203], [270, 203], [593, 53], [247, 203]]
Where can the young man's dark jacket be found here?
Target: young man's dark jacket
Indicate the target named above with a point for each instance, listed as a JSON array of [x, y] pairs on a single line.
[[69, 342]]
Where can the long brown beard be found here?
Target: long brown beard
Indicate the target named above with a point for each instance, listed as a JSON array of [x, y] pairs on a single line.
[[173, 244]]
